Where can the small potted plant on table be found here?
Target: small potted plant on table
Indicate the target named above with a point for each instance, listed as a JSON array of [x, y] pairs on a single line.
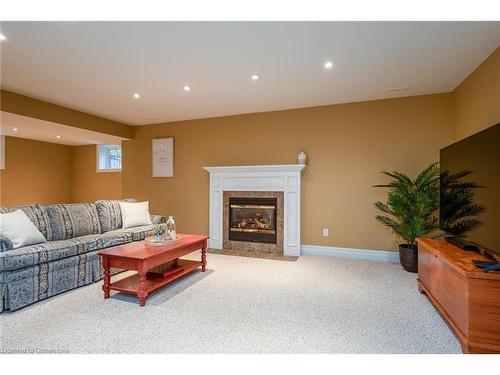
[[158, 231], [409, 210]]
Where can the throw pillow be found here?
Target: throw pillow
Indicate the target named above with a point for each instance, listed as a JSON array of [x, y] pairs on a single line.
[[19, 230], [135, 214]]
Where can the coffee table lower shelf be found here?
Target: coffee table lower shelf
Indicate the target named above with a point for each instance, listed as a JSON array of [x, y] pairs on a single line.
[[130, 284]]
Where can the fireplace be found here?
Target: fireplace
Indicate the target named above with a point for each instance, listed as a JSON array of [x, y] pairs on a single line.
[[257, 181], [252, 219]]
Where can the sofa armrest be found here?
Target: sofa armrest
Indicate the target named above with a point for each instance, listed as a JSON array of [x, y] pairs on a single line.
[[5, 244], [158, 219]]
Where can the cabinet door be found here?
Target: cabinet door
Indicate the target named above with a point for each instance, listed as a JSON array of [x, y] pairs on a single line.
[[425, 266], [484, 318], [450, 289]]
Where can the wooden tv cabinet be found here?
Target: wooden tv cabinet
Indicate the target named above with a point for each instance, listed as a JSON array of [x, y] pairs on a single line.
[[467, 298]]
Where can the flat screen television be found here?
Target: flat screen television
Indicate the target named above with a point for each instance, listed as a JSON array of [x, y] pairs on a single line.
[[479, 154]]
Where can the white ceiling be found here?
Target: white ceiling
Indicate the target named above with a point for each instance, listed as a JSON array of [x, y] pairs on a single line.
[[97, 66], [46, 131]]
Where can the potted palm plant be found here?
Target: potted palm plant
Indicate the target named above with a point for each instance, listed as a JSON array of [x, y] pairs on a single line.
[[409, 210]]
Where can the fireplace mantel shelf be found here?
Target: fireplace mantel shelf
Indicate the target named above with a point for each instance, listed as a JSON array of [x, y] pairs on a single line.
[[285, 178], [256, 168]]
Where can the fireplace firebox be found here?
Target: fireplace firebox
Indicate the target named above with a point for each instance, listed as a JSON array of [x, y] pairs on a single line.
[[252, 219]]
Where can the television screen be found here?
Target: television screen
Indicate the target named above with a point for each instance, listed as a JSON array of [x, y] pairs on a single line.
[[470, 189]]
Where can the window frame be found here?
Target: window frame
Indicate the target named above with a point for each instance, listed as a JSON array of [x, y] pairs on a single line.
[[98, 159]]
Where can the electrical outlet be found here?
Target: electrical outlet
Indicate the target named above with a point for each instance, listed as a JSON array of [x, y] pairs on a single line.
[[325, 232]]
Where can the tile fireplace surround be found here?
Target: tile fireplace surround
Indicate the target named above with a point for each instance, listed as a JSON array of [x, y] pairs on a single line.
[[256, 247], [259, 178]]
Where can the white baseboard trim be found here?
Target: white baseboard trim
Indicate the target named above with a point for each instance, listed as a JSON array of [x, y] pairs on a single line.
[[345, 252]]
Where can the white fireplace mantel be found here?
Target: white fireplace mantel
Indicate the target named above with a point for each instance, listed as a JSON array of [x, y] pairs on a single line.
[[285, 178]]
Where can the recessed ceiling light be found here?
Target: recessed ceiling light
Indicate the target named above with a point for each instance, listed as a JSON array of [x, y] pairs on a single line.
[[15, 129], [255, 77], [58, 136], [328, 65], [2, 37], [187, 88], [137, 96]]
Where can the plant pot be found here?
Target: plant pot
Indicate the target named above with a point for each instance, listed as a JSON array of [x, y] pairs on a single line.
[[408, 257]]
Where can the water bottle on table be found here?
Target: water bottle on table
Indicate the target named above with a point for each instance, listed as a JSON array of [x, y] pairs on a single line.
[[171, 233]]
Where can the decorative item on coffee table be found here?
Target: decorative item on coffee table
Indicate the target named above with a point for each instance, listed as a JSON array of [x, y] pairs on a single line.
[[164, 241], [171, 230], [159, 230], [161, 237]]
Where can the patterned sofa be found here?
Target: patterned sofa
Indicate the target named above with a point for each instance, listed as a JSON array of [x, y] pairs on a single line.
[[69, 259]]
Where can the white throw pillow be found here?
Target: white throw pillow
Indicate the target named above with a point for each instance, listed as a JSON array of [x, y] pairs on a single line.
[[135, 214], [19, 229]]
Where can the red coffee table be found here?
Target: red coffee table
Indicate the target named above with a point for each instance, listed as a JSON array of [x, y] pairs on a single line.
[[140, 257]]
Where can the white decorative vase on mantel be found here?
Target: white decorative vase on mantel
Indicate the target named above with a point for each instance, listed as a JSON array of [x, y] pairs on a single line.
[[302, 158]]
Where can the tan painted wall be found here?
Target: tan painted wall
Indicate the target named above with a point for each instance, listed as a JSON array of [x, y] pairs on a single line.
[[88, 185], [42, 172], [476, 101], [36, 172], [27, 106], [83, 182], [347, 146]]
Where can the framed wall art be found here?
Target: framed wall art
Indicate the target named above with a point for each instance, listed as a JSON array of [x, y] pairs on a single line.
[[163, 157]]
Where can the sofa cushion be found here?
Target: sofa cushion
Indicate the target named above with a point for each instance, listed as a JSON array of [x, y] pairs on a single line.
[[110, 215], [137, 233], [42, 253], [110, 239], [73, 220], [38, 216], [49, 251]]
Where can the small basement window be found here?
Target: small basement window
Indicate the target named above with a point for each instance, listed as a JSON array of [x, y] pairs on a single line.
[[109, 158]]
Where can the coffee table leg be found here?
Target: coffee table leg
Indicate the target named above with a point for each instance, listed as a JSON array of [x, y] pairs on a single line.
[[142, 289], [204, 257], [107, 277]]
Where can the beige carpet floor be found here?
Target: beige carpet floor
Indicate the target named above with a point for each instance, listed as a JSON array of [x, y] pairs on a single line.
[[250, 254], [243, 305]]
